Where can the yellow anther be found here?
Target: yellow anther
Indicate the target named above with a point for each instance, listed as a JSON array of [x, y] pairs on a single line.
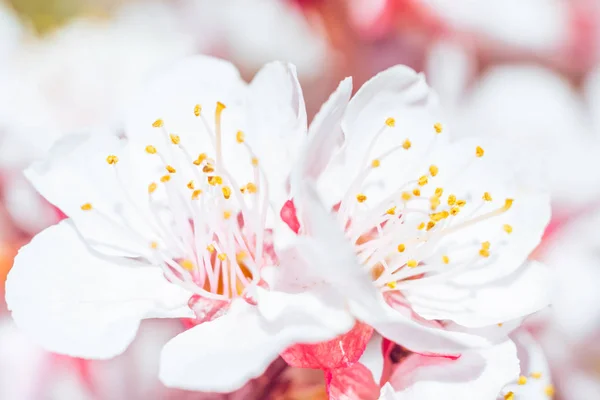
[[222, 256], [487, 196], [430, 225], [500, 324], [215, 180], [507, 204], [187, 265], [210, 248], [406, 144], [240, 256], [423, 180], [251, 187], [454, 210], [255, 161], [507, 228], [461, 203], [375, 163], [226, 214], [165, 178], [112, 159], [451, 200], [196, 193], [239, 137], [361, 198], [436, 217], [220, 107], [406, 196], [479, 151], [522, 380], [152, 187], [509, 396], [445, 259], [434, 202], [158, 123], [417, 192], [549, 390], [391, 211], [150, 149], [391, 285], [484, 252], [190, 185], [486, 245], [421, 226], [200, 159], [401, 247], [439, 192], [226, 192], [197, 110], [411, 263], [391, 122], [154, 245], [208, 168], [86, 206], [536, 375], [433, 170], [170, 169], [438, 127], [175, 139]]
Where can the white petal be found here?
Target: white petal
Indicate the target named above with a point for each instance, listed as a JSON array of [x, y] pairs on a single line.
[[524, 292], [223, 354], [372, 358], [72, 301], [476, 375]]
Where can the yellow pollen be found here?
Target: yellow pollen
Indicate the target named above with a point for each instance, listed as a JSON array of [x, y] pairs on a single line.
[[86, 206], [251, 187], [197, 110], [158, 123], [170, 169], [445, 259], [421, 226], [417, 192], [522, 380], [536, 375], [461, 203], [222, 256], [361, 198], [487, 196], [152, 187], [190, 185], [451, 200], [208, 168], [165, 178], [239, 137], [439, 192], [438, 127], [509, 396], [433, 170], [411, 263], [210, 248], [406, 196], [507, 204], [549, 390], [240, 256], [500, 324], [220, 107], [484, 252], [375, 163], [479, 151], [423, 180], [215, 180], [175, 139], [391, 285], [226, 192], [200, 159], [485, 245], [154, 245], [255, 161], [112, 159], [196, 193], [391, 211], [401, 247], [454, 210], [507, 228], [439, 216], [430, 225], [391, 122], [187, 265], [406, 144], [435, 202], [150, 149], [226, 214]]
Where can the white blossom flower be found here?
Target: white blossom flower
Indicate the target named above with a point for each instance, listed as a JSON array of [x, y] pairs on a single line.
[[176, 221]]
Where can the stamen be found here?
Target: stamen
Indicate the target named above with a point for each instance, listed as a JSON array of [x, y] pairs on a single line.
[[152, 187], [197, 110], [438, 127], [222, 256], [218, 112], [187, 265], [150, 149], [239, 137], [411, 263], [391, 285], [375, 163], [255, 161], [196, 194], [536, 375], [433, 170], [175, 139], [158, 123], [154, 245], [215, 180], [170, 169], [401, 247], [549, 390], [479, 152], [406, 144], [445, 259], [112, 159], [461, 203], [361, 198], [210, 248], [509, 396], [507, 228], [423, 180], [406, 196], [208, 168], [451, 200], [226, 192], [165, 178], [391, 211], [416, 192], [454, 211], [251, 187], [487, 196], [439, 192], [226, 214], [522, 380], [190, 185], [200, 159], [507, 204], [86, 206], [391, 122]]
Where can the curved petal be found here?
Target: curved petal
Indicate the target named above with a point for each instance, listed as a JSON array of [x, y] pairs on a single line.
[[72, 301], [223, 354], [524, 292], [475, 375], [354, 382]]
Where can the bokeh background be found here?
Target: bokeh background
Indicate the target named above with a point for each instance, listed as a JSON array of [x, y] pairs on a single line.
[[527, 71]]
